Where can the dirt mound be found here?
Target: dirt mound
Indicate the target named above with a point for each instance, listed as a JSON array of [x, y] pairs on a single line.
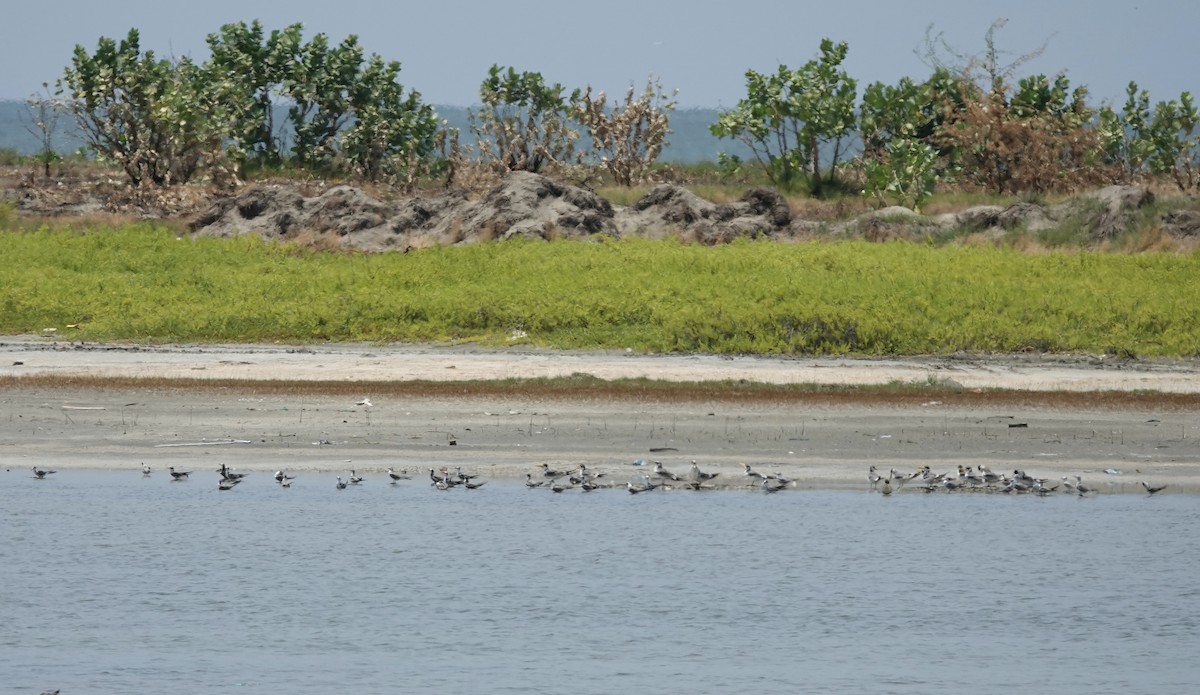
[[1118, 204], [669, 209], [529, 205], [532, 206], [522, 205], [1182, 223]]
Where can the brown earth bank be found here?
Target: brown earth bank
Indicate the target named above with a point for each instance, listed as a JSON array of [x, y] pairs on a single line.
[[534, 206], [318, 411]]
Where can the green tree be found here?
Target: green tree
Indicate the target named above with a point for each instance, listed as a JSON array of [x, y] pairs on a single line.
[[790, 116], [524, 122], [1125, 137], [391, 135], [149, 115], [906, 169], [346, 112], [1176, 147], [246, 69], [319, 83]]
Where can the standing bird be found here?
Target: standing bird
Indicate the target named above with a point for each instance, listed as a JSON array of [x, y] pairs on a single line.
[[1080, 487], [145, 470], [697, 475], [752, 474], [1152, 489], [40, 474], [531, 483], [873, 477], [402, 475], [228, 474], [228, 483], [354, 479], [179, 475]]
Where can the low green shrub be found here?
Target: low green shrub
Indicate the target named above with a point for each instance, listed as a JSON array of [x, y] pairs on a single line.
[[145, 283]]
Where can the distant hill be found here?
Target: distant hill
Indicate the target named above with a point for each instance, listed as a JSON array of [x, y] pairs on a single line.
[[689, 143]]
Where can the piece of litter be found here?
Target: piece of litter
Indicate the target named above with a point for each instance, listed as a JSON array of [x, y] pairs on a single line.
[[639, 462], [1113, 471]]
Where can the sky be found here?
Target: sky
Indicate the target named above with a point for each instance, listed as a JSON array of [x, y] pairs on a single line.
[[702, 48]]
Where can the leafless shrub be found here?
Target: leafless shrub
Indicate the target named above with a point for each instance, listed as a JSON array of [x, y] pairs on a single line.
[[628, 137]]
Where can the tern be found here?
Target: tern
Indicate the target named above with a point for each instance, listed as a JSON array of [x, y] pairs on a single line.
[[228, 474], [772, 485], [179, 475], [41, 474], [696, 474], [752, 474], [1152, 489], [662, 472], [402, 475], [341, 485]]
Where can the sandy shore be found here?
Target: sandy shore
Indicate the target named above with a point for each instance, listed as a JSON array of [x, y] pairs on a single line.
[[819, 445]]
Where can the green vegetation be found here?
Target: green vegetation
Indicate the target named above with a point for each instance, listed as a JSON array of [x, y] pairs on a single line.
[[144, 283], [524, 122], [974, 124], [787, 117], [163, 120]]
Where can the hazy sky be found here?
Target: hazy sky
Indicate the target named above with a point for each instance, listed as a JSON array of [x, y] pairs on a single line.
[[700, 47]]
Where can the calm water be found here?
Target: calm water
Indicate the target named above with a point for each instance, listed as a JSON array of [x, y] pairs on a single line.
[[111, 583]]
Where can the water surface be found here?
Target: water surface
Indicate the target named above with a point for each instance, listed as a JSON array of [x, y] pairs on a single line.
[[111, 583]]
